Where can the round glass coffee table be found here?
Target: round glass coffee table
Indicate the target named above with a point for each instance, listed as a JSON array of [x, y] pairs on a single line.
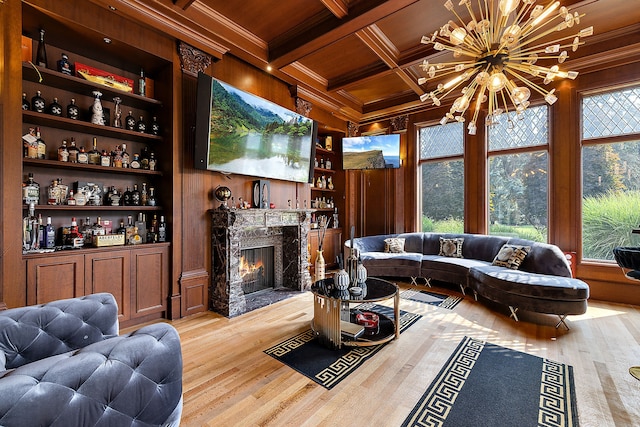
[[334, 321]]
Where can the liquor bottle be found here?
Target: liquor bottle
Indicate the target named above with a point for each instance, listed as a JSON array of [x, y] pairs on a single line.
[[116, 157], [81, 198], [135, 238], [153, 162], [122, 229], [55, 109], [76, 240], [71, 201], [97, 230], [30, 144], [144, 158], [63, 152], [155, 126], [49, 235], [40, 232], [42, 146], [85, 229], [38, 103], [128, 229], [152, 233], [94, 154], [73, 112], [141, 126], [64, 66], [115, 197], [135, 163], [73, 151], [30, 191], [41, 54], [144, 195], [25, 103], [126, 159], [30, 230], [105, 158], [127, 197], [135, 196], [162, 230], [53, 193], [141, 225], [151, 200], [129, 121], [327, 164], [83, 157], [63, 192], [142, 84]]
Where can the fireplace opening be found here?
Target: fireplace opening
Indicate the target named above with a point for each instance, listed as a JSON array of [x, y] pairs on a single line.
[[257, 269]]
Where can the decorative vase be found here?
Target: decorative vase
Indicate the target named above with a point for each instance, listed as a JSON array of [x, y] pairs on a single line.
[[361, 272], [320, 265], [341, 279], [97, 118]]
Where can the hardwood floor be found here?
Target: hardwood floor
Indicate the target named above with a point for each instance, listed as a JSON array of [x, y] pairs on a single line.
[[229, 381]]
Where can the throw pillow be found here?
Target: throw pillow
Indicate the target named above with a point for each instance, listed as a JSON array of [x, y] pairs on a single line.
[[511, 256], [394, 245], [451, 247]]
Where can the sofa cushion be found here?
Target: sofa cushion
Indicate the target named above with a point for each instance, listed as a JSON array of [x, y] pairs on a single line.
[[451, 247], [383, 264], [543, 258], [511, 256], [530, 284], [394, 245], [476, 246]]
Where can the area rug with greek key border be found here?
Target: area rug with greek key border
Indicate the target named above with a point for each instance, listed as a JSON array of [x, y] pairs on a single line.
[[431, 298], [484, 384], [325, 366]]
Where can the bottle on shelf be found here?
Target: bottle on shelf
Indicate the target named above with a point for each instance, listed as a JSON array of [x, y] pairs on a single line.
[[71, 201], [94, 154], [83, 156], [135, 196], [141, 126], [327, 164], [76, 240], [129, 121], [30, 144], [155, 126], [144, 158], [97, 230], [63, 152], [126, 158], [162, 230], [128, 229], [49, 235], [117, 114], [105, 158], [38, 103], [330, 183], [144, 195], [135, 238], [42, 146], [135, 162], [40, 232], [153, 162], [142, 87], [30, 191], [114, 198], [116, 157], [73, 151], [141, 225], [64, 66], [26, 105], [53, 193], [73, 112], [151, 199], [122, 229], [86, 230], [152, 233], [41, 53], [55, 109], [127, 197], [30, 230], [63, 192]]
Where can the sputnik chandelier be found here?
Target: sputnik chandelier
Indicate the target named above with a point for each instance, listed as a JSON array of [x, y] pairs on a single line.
[[498, 48]]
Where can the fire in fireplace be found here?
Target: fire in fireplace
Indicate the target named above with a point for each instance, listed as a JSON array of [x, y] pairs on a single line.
[[257, 269]]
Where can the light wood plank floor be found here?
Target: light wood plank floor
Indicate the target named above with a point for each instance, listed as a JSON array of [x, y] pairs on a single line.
[[229, 381]]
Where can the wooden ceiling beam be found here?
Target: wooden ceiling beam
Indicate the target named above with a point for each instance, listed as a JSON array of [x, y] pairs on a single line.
[[338, 7], [313, 36], [183, 4]]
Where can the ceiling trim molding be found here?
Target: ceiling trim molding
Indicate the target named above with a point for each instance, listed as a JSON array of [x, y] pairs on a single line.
[[338, 7], [219, 19]]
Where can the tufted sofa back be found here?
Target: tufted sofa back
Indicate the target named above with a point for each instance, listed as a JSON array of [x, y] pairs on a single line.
[[28, 335]]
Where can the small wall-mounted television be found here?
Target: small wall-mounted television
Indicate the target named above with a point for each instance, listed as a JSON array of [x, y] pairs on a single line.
[[241, 133], [371, 152]]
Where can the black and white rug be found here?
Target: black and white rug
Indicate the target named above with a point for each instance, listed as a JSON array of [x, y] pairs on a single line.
[[431, 298], [325, 366], [484, 384]]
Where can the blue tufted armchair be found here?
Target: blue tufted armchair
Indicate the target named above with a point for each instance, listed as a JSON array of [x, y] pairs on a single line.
[[64, 364]]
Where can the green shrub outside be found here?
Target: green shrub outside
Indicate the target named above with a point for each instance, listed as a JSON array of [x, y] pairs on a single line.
[[456, 226]]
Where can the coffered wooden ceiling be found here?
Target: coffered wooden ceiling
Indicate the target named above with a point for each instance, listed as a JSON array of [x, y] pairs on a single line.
[[356, 58]]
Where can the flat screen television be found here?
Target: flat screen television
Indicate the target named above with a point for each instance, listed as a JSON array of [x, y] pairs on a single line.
[[371, 152], [240, 133]]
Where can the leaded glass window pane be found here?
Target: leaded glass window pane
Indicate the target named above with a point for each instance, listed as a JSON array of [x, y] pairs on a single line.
[[443, 196], [441, 140], [528, 129], [612, 113]]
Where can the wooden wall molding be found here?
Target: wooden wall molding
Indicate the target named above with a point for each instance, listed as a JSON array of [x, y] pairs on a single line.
[[352, 129], [399, 124], [303, 107], [193, 60]]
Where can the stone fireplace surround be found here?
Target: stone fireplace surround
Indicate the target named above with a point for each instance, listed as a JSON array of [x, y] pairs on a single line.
[[235, 229]]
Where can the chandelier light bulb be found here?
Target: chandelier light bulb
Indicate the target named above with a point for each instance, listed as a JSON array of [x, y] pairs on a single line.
[[497, 51]]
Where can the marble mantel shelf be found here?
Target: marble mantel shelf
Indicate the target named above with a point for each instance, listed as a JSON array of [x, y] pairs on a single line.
[[243, 218]]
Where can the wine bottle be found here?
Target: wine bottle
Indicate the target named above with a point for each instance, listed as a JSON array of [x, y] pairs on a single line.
[[41, 54]]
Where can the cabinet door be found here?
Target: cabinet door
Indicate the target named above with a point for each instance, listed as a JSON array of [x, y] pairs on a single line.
[[54, 278], [333, 246], [110, 272], [150, 278]]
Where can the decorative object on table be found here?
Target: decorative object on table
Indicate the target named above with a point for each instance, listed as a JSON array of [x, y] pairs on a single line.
[[361, 272], [261, 194], [522, 389], [117, 112], [97, 117], [64, 66], [104, 78], [497, 51], [325, 366], [223, 194], [341, 277], [370, 321], [320, 264], [352, 261]]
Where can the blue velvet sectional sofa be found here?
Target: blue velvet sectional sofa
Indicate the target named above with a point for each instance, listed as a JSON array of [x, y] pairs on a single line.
[[518, 273]]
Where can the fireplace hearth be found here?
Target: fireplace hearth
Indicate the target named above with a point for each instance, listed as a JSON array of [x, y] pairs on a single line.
[[258, 256]]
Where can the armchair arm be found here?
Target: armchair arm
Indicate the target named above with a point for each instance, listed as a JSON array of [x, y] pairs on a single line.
[[32, 333], [130, 380]]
